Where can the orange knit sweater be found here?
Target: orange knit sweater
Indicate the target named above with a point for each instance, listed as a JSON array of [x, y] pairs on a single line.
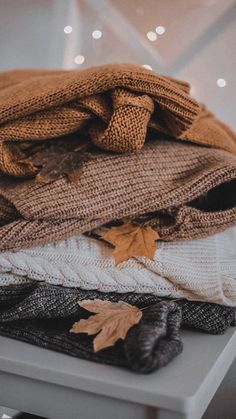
[[114, 104]]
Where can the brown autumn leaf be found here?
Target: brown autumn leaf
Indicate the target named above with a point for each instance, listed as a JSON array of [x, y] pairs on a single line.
[[113, 321], [56, 159], [132, 240]]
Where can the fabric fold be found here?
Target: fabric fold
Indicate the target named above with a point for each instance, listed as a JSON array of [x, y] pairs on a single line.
[[115, 105], [84, 151], [183, 191], [200, 270], [43, 314]]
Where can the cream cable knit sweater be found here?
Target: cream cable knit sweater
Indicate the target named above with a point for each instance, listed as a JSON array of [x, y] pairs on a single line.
[[203, 270]]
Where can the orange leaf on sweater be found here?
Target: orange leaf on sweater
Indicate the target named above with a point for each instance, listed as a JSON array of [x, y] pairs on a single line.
[[113, 321], [132, 240]]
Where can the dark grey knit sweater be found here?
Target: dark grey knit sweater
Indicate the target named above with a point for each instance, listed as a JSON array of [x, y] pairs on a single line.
[[43, 314]]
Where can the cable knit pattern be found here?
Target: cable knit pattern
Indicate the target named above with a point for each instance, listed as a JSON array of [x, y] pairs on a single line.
[[202, 270]]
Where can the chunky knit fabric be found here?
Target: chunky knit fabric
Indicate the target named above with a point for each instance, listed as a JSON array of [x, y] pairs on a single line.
[[148, 346], [46, 301], [203, 270], [42, 314], [184, 191], [116, 104]]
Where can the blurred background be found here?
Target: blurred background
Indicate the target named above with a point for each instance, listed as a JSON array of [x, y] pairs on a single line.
[[192, 40]]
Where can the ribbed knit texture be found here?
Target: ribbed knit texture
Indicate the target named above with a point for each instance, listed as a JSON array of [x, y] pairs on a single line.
[[45, 301], [202, 270], [42, 314], [148, 346], [188, 191], [115, 104]]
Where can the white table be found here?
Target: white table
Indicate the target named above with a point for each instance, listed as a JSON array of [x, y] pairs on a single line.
[[58, 386]]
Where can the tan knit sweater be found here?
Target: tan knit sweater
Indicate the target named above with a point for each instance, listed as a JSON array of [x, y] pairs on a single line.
[[188, 190], [114, 104]]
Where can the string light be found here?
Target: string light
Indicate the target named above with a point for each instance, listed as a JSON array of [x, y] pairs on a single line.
[[97, 34], [160, 30], [152, 36], [79, 59], [221, 83], [147, 66], [68, 29]]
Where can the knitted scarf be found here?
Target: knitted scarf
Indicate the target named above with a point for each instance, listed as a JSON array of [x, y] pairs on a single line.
[[202, 270], [42, 314], [115, 104], [183, 191]]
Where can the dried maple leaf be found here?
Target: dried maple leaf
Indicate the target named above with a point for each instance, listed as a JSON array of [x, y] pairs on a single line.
[[132, 240], [58, 158], [113, 321]]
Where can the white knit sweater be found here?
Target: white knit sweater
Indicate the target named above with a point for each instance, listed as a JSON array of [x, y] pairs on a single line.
[[203, 270]]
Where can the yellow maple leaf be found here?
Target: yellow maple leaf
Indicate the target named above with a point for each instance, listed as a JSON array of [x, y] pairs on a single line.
[[113, 321], [132, 240]]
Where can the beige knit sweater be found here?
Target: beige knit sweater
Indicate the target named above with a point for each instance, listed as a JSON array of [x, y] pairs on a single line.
[[201, 270], [184, 191], [114, 104]]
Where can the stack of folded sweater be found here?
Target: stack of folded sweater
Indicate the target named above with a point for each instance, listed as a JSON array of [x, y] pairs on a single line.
[[114, 151]]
